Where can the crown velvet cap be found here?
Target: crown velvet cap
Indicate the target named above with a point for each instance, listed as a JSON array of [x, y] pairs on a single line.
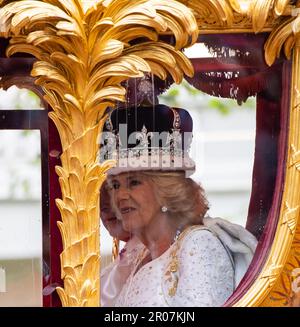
[[148, 138]]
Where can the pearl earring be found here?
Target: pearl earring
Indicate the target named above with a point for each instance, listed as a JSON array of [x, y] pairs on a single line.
[[164, 209]]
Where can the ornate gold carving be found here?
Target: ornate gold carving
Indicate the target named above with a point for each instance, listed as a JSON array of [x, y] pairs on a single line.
[[286, 291], [271, 274], [84, 52], [262, 9], [290, 216], [212, 12], [282, 36], [295, 155], [236, 16]]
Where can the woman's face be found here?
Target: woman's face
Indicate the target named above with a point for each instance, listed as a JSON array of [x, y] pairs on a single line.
[[109, 219], [134, 197]]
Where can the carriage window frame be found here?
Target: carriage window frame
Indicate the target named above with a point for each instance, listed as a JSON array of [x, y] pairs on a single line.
[[35, 119]]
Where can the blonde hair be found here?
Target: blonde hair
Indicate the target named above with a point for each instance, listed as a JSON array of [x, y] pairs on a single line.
[[184, 198]]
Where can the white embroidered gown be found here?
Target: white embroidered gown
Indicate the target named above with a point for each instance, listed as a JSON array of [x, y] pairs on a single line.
[[203, 275]]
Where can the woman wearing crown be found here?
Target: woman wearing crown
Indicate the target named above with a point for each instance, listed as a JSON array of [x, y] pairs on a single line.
[[187, 259]]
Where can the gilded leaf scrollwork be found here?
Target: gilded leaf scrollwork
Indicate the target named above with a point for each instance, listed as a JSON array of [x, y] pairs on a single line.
[[237, 16], [84, 51], [261, 10]]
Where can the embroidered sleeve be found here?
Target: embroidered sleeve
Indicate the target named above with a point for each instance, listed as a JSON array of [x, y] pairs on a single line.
[[205, 276]]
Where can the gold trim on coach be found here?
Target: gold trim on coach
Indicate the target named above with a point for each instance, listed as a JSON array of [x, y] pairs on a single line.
[[273, 287], [236, 16]]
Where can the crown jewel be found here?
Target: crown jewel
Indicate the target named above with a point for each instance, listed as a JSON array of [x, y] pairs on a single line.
[[164, 147]]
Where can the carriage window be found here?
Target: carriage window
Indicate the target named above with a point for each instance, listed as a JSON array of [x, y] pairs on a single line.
[[20, 218], [16, 98], [222, 129], [23, 133], [235, 141]]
